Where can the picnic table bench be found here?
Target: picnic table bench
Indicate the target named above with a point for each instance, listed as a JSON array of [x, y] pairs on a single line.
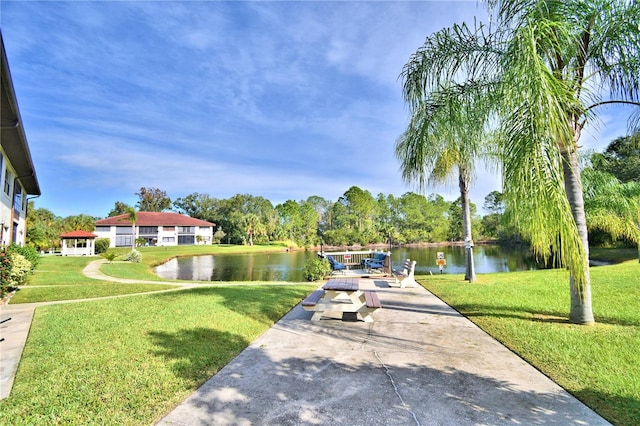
[[342, 295]]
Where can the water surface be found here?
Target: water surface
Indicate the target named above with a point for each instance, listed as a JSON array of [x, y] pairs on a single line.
[[288, 266]]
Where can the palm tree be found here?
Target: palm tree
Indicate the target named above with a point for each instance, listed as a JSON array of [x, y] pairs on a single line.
[[132, 217], [612, 206], [544, 68], [444, 135]]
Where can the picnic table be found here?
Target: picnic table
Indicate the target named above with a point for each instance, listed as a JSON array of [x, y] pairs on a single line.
[[342, 295]]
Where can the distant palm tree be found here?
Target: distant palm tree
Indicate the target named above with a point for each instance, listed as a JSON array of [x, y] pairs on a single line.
[[612, 206], [132, 217]]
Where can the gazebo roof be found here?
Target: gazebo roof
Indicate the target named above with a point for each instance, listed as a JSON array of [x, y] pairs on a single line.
[[78, 234]]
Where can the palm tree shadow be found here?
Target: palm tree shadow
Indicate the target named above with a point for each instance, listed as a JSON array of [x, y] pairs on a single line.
[[470, 310]]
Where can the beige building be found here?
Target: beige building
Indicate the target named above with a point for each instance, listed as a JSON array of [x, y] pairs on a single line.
[[156, 229]]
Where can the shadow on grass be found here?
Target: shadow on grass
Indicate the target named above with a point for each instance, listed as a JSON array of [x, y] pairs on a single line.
[[470, 310], [266, 303], [196, 351], [619, 410]]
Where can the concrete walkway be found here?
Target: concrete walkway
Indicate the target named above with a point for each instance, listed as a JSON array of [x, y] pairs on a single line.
[[419, 363]]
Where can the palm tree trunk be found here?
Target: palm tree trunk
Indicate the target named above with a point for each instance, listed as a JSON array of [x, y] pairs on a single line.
[[463, 180], [581, 310]]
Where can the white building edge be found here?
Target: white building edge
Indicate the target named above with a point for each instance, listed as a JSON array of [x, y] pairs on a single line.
[[18, 178]]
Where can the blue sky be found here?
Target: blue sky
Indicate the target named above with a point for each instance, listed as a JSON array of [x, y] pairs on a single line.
[[280, 99]]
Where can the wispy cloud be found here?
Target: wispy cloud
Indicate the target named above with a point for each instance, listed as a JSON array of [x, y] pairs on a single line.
[[278, 99]]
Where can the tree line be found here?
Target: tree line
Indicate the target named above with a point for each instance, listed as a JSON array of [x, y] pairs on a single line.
[[355, 218], [612, 200]]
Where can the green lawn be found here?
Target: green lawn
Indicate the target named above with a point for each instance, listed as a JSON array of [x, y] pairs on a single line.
[[61, 278], [130, 360], [528, 312]]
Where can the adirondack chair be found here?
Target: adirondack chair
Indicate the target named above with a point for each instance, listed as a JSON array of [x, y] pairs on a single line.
[[335, 265], [375, 262]]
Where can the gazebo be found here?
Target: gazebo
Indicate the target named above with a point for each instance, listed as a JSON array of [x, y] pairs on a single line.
[[78, 243]]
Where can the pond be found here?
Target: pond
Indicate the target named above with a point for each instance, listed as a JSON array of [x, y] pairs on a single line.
[[288, 266]]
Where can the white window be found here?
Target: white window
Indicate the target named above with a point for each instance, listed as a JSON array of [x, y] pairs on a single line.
[[7, 182]]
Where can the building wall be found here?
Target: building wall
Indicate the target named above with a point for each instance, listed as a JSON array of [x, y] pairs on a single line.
[[12, 218], [120, 236]]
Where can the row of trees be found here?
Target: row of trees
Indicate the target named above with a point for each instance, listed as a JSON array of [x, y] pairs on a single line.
[[612, 199], [357, 217]]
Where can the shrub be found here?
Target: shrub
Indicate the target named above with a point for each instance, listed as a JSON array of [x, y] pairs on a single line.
[[102, 245], [110, 256], [316, 269], [14, 269], [20, 268], [133, 256], [5, 270], [29, 253]]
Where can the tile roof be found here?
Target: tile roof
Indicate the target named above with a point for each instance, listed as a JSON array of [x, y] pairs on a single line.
[[154, 219], [78, 234]]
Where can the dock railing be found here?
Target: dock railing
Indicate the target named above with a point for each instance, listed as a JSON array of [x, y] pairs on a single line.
[[354, 258]]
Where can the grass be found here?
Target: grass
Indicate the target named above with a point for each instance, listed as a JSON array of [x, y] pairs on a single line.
[[61, 278], [75, 292], [58, 270], [129, 361], [528, 311]]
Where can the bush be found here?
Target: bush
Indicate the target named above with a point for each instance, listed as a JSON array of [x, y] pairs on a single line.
[[316, 269], [29, 253], [110, 256], [133, 256], [102, 245], [14, 269], [5, 270]]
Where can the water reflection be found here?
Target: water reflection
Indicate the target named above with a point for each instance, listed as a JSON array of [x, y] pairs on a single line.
[[288, 266]]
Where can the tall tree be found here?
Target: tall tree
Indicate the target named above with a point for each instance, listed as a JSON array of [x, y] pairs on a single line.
[[546, 67], [492, 221], [81, 222], [119, 208], [621, 158], [557, 58], [43, 228], [199, 206], [444, 135], [362, 207], [153, 200]]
